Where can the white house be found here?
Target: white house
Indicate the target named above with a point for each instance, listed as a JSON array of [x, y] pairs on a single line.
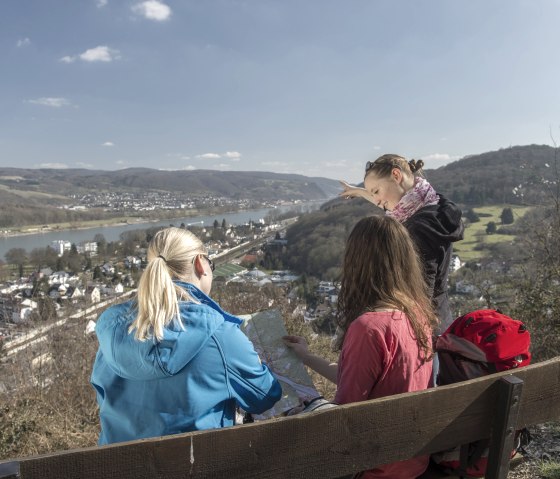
[[131, 261], [60, 246], [60, 277], [93, 294], [108, 269], [89, 247], [21, 315], [455, 263]]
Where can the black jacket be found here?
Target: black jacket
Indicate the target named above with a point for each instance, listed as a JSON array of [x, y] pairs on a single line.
[[434, 229]]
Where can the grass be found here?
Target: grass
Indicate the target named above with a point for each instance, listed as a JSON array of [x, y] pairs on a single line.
[[475, 233], [549, 469], [31, 194]]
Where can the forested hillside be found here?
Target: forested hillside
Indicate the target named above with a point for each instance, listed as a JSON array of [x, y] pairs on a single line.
[[521, 175], [518, 175], [317, 240]]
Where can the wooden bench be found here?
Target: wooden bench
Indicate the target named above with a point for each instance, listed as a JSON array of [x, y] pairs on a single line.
[[330, 443]]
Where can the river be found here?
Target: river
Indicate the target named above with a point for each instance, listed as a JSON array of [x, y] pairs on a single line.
[[112, 233]]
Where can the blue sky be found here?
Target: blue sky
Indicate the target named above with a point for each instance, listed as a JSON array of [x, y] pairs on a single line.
[[316, 87]]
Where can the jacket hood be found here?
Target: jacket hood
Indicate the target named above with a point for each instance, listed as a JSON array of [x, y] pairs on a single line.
[[152, 359], [443, 220]]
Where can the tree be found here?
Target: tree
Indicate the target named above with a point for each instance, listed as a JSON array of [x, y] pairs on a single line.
[[537, 299], [472, 215], [46, 310], [99, 238], [40, 257], [224, 224], [216, 224], [18, 257], [507, 216], [97, 273], [491, 228]]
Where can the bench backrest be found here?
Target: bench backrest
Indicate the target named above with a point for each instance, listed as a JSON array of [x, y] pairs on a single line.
[[323, 444]]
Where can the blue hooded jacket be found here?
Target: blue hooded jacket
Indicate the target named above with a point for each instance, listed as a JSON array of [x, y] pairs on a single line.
[[191, 380]]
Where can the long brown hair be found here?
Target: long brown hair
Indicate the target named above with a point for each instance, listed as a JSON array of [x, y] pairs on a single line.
[[383, 270]]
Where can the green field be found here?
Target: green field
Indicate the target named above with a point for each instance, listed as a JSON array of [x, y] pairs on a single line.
[[475, 233], [228, 269]]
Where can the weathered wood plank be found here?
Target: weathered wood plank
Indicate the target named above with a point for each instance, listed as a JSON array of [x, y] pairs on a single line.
[[503, 428], [324, 444]]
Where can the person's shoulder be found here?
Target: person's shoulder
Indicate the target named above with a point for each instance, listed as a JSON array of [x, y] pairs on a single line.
[[117, 311], [375, 320], [201, 316]]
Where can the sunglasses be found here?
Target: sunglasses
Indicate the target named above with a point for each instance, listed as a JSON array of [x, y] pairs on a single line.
[[211, 263]]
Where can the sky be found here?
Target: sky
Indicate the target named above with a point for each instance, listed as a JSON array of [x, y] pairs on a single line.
[[314, 87]]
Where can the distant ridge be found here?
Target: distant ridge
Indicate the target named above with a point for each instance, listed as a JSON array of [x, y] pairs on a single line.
[[514, 175], [253, 185]]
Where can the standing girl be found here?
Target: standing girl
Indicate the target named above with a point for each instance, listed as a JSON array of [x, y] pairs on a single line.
[[386, 317], [172, 360], [396, 185]]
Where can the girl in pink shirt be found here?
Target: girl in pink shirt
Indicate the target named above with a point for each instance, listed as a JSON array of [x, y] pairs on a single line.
[[386, 318]]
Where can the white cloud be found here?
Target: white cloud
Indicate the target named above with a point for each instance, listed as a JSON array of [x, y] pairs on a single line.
[[81, 164], [121, 162], [272, 163], [56, 166], [233, 155], [23, 42], [376, 147], [152, 10], [185, 158], [53, 102], [222, 166], [101, 3], [102, 53], [209, 156], [108, 143], [189, 168]]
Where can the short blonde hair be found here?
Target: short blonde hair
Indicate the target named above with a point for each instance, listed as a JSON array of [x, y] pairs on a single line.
[[171, 255]]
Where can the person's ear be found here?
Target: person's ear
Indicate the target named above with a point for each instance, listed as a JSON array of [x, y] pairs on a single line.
[[397, 174], [198, 268]]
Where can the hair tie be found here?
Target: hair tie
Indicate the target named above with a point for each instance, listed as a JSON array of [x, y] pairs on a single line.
[[162, 257]]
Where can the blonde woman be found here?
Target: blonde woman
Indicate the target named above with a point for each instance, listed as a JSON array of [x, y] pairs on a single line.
[[171, 360]]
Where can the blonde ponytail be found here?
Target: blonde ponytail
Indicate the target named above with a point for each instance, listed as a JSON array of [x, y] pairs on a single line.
[[171, 254]]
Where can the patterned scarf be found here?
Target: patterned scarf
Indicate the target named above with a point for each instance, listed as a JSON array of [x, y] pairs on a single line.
[[422, 194]]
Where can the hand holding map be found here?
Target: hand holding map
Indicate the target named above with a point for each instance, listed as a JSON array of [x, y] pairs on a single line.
[[265, 329]]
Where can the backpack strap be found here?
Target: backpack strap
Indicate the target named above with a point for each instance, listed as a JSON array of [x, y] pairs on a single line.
[[478, 451], [463, 461]]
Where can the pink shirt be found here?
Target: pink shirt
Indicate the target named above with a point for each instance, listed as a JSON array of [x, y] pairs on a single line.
[[380, 357]]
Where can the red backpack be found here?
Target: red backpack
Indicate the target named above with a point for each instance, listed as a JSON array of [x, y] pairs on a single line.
[[479, 343]]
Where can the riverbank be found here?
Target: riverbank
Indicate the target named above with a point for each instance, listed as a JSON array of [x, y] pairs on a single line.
[[109, 222], [162, 215], [85, 231]]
